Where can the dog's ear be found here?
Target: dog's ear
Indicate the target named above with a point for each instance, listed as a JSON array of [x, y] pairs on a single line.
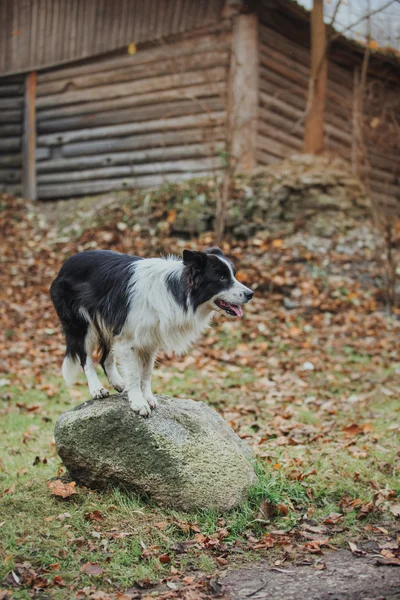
[[214, 250], [194, 259]]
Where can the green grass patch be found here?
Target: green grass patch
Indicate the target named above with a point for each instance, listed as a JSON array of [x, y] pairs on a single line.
[[311, 476]]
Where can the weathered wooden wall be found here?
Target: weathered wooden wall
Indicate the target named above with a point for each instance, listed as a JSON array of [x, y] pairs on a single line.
[[283, 81], [382, 140], [284, 77], [134, 121], [11, 119], [40, 33]]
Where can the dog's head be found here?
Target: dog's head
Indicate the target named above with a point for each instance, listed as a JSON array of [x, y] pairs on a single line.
[[210, 279]]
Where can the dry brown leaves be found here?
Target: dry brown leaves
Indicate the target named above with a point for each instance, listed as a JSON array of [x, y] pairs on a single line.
[[315, 306], [62, 490]]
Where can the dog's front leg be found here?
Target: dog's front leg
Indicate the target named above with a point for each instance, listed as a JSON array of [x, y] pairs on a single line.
[[146, 359], [128, 360]]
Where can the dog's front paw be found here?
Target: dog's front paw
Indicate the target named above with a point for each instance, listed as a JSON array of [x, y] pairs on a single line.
[[140, 406], [151, 401], [100, 393], [119, 387]]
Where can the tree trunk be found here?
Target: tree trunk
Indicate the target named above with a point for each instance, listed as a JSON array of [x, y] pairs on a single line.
[[314, 125]]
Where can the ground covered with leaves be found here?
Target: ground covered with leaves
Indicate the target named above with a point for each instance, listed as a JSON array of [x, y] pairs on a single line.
[[309, 377]]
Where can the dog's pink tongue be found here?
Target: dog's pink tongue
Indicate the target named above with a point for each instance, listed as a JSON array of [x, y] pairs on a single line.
[[237, 310]]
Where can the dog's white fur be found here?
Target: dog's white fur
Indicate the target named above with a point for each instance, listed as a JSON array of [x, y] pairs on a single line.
[[155, 321]]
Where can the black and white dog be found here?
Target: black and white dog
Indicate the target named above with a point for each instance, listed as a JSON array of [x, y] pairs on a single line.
[[129, 308]]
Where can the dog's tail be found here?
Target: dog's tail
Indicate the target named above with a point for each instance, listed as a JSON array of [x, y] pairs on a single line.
[[70, 369]]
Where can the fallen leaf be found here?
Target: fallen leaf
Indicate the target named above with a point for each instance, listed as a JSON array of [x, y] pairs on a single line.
[[91, 568], [94, 516], [355, 550], [351, 430], [132, 48], [60, 489]]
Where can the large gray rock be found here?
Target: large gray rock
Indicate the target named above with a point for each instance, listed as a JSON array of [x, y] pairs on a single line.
[[184, 456]]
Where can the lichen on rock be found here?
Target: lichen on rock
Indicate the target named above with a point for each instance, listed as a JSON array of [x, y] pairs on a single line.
[[184, 456]]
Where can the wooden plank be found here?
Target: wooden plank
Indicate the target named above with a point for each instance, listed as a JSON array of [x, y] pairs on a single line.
[[338, 134], [380, 175], [386, 201], [10, 175], [140, 156], [127, 74], [384, 188], [150, 140], [12, 89], [9, 188], [95, 133], [29, 138], [10, 116], [387, 162], [281, 83], [296, 97], [284, 47], [287, 72], [142, 86], [10, 160], [195, 44], [10, 144], [10, 130], [84, 188], [11, 103], [274, 133], [265, 158], [272, 118], [271, 103], [291, 90], [194, 92], [244, 91], [284, 60], [129, 115], [334, 127], [177, 166], [274, 147]]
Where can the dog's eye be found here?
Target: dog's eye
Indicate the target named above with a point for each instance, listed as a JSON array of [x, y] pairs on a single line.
[[223, 278]]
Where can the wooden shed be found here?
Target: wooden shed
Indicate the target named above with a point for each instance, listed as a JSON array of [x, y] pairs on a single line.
[[97, 96]]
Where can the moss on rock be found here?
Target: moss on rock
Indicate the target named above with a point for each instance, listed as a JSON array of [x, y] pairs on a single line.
[[184, 456]]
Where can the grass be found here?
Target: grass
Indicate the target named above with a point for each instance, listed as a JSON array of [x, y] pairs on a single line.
[[312, 475]]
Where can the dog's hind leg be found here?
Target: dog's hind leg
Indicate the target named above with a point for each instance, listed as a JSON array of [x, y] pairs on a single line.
[[95, 387], [109, 365], [75, 354], [146, 360]]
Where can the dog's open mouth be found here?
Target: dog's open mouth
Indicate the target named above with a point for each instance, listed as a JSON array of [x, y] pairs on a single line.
[[231, 309]]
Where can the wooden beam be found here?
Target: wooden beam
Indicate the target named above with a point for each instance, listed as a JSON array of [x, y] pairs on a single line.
[[243, 92], [29, 138]]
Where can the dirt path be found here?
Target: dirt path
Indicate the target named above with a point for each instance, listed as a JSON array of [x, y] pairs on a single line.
[[346, 577]]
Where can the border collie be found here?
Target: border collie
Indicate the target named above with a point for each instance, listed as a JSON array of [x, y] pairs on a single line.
[[129, 308]]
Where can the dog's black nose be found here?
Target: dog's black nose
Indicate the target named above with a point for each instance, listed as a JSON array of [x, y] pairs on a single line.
[[249, 295]]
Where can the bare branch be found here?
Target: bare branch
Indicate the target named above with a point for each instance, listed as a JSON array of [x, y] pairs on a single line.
[[332, 22], [367, 16]]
